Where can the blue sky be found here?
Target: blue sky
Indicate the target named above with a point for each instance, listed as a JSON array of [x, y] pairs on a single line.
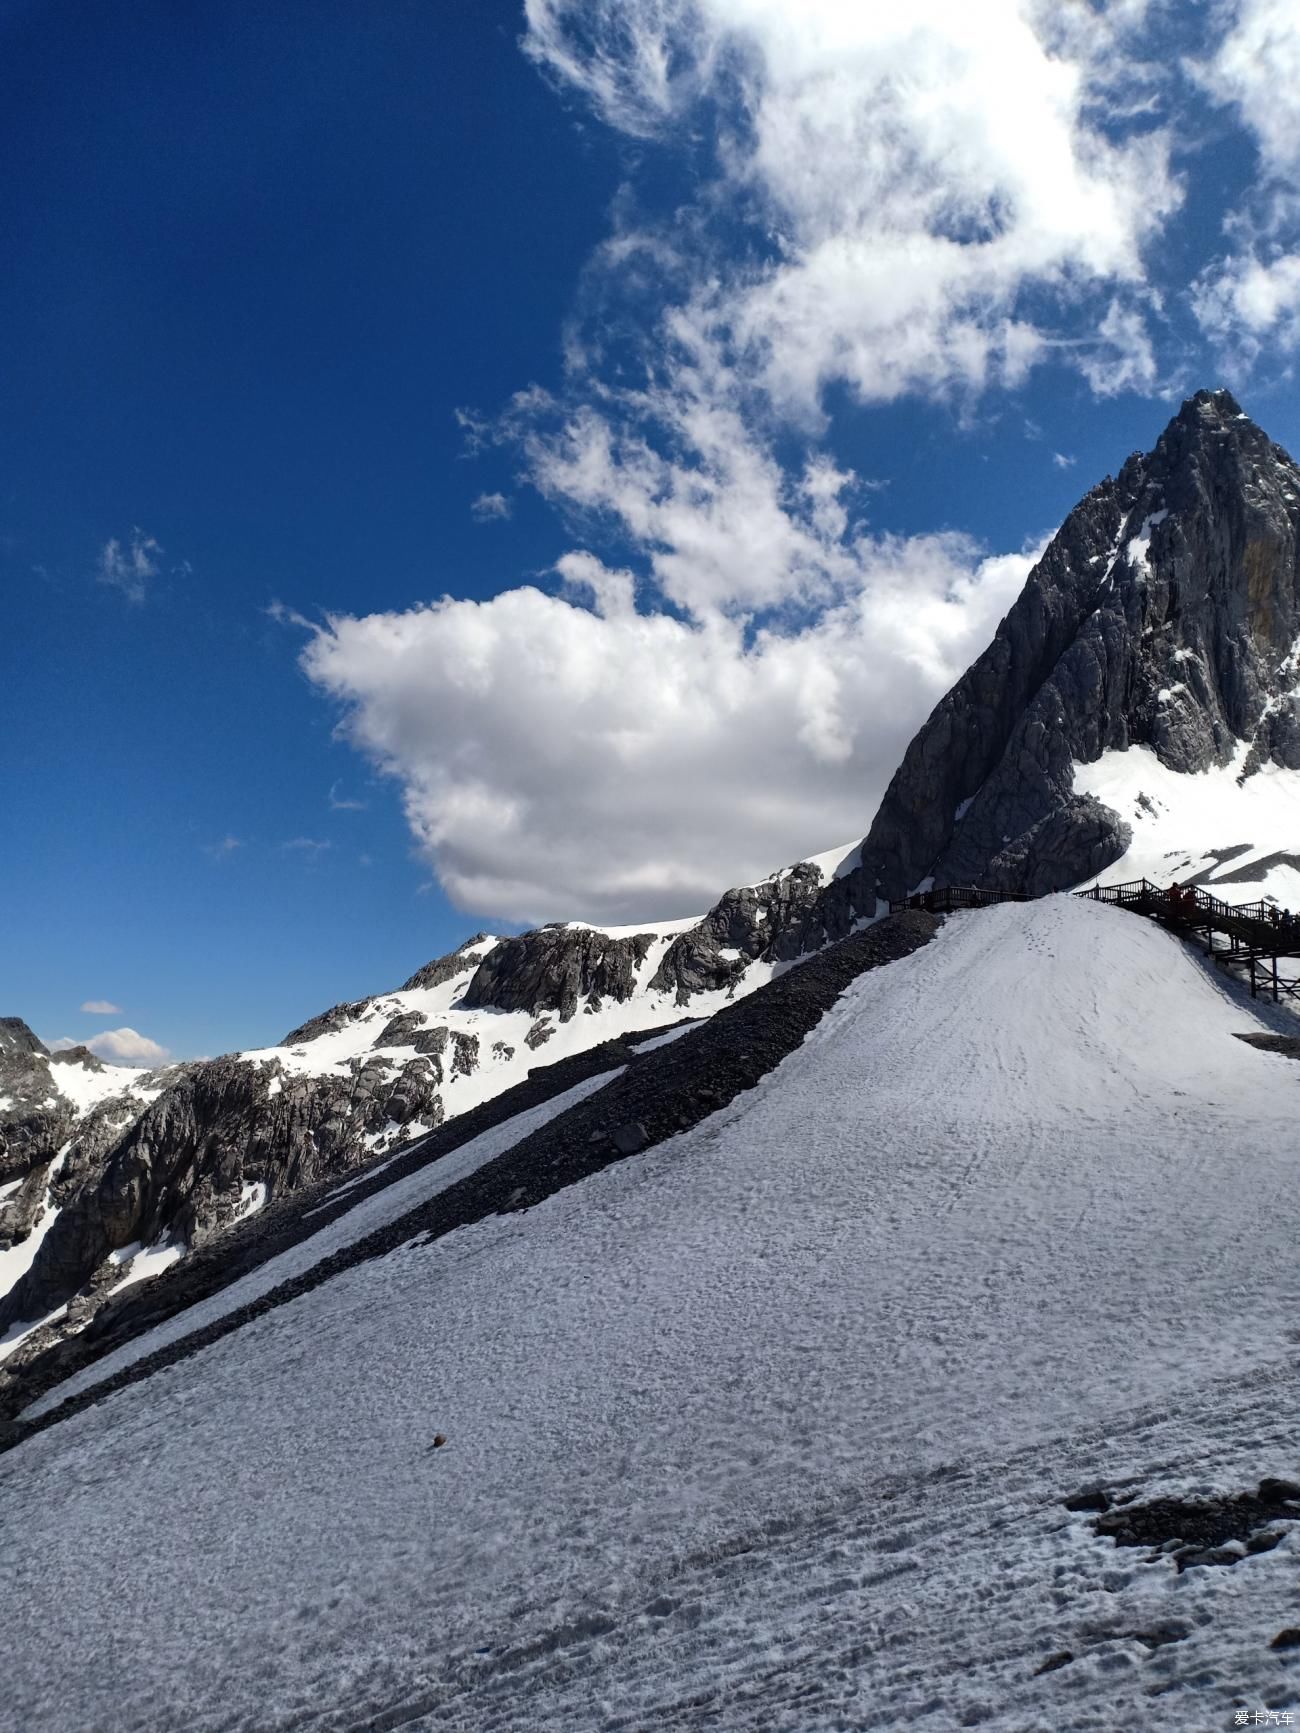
[[722, 397]]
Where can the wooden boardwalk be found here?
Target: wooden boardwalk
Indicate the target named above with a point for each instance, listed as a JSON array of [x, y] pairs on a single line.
[[1249, 936]]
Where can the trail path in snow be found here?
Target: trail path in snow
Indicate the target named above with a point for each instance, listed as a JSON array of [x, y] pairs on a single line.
[[767, 1427]]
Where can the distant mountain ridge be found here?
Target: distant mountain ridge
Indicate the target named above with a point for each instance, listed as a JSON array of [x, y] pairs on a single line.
[[1138, 710]]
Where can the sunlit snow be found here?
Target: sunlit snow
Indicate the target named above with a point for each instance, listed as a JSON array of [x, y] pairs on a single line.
[[1182, 822], [771, 1423]]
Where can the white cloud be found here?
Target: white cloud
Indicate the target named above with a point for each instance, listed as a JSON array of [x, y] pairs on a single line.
[[64, 1044], [915, 171], [224, 848], [561, 762], [127, 1047], [1122, 357], [490, 505], [1242, 300], [340, 803], [1255, 67], [307, 845], [1250, 297], [1062, 461], [101, 1008], [132, 566]]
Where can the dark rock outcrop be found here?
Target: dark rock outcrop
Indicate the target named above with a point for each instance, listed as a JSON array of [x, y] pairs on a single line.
[[326, 1023], [443, 969], [767, 920], [552, 968], [37, 1119]]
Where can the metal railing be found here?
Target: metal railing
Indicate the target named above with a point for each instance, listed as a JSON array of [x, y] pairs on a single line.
[[1257, 935]]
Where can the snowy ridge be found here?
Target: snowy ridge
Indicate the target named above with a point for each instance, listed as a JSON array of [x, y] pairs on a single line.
[[774, 1420], [504, 1054]]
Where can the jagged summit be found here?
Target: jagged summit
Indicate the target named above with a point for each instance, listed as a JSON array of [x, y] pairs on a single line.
[[1164, 616]]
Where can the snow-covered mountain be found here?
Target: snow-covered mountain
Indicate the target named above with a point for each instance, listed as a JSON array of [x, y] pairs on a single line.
[[1137, 714], [616, 1328], [941, 1375]]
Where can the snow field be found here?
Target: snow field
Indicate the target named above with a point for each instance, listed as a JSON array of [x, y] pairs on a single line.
[[1180, 822], [780, 1411]]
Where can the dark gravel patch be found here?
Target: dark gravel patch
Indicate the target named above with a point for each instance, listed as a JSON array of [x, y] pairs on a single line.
[[1287, 1045], [660, 1094], [1197, 1531]]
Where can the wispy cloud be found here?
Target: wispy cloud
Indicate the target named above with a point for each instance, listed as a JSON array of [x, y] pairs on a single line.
[[101, 1008], [476, 428], [130, 566], [339, 803], [306, 845], [1062, 461], [284, 615], [490, 505], [220, 850]]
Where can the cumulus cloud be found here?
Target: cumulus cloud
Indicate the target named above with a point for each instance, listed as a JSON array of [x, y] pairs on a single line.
[[101, 1008], [130, 566], [127, 1047], [563, 760], [488, 506]]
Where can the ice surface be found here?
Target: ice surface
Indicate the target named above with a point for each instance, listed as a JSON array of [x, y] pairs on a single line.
[[1180, 822], [766, 1428]]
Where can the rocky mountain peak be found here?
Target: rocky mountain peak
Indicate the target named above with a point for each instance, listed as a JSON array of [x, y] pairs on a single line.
[[18, 1041], [1165, 613]]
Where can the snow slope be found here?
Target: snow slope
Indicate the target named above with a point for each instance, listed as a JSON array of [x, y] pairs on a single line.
[[363, 1218], [1242, 841], [773, 1420]]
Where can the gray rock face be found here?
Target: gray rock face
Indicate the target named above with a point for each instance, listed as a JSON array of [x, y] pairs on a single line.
[[552, 968], [1163, 615], [37, 1120], [443, 969], [178, 1169], [749, 923]]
